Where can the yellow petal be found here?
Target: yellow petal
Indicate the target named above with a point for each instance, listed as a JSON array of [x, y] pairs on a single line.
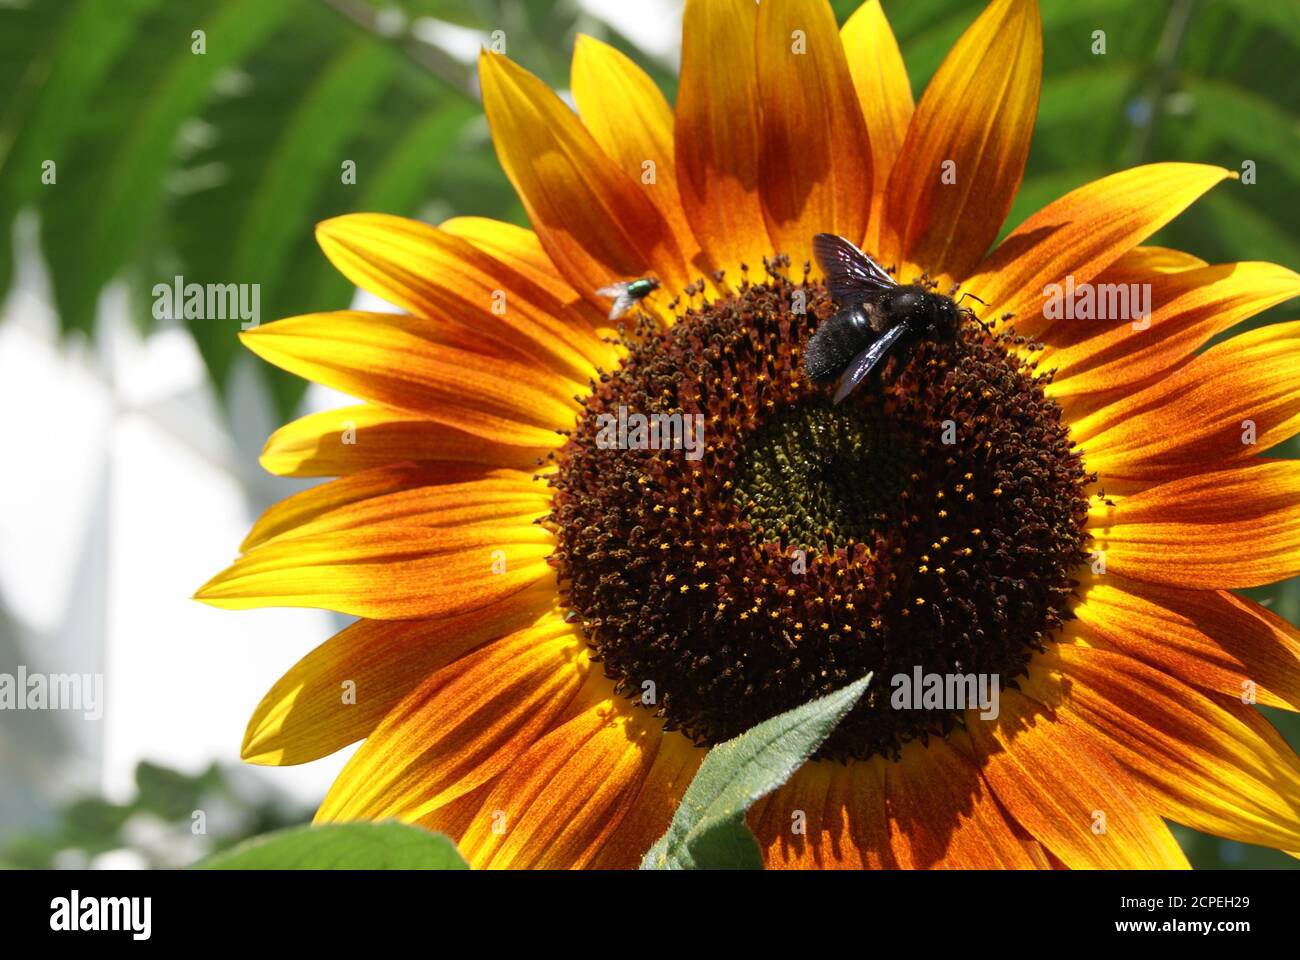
[[960, 165], [388, 359], [884, 97], [435, 274], [443, 495], [1187, 308], [596, 223], [351, 439], [632, 122]]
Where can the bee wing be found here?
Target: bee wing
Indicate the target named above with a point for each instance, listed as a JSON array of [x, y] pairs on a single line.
[[867, 360], [851, 275]]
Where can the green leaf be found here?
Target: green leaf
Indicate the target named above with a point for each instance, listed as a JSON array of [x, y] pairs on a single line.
[[708, 831], [114, 182], [343, 846]]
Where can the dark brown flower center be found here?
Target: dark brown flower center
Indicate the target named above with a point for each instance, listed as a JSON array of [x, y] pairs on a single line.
[[931, 520]]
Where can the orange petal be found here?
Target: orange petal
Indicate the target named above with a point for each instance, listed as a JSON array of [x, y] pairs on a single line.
[[650, 813], [595, 222], [306, 715], [1083, 233], [1141, 262], [518, 248], [717, 133], [1227, 529], [1209, 638], [1075, 800], [388, 574], [815, 161], [382, 357], [563, 799], [1236, 399], [1203, 765], [977, 113], [434, 274], [352, 439], [944, 814], [443, 495], [610, 88], [1187, 309], [827, 816], [462, 726], [884, 97]]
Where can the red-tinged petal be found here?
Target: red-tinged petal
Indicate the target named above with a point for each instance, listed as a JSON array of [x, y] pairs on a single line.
[[563, 799], [1229, 403], [961, 163], [1210, 638], [717, 137], [1081, 234], [1210, 531], [390, 574], [340, 692], [463, 726], [1213, 769], [1075, 800], [609, 88], [944, 816], [815, 163]]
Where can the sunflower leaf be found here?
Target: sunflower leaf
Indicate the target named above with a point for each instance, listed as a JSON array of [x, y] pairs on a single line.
[[708, 831], [342, 846]]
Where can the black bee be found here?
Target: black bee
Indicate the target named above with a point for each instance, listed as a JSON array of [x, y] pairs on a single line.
[[876, 315]]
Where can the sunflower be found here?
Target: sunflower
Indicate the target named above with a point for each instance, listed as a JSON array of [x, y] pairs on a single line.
[[551, 632]]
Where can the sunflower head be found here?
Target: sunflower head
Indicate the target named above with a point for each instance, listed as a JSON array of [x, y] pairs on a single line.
[[584, 550]]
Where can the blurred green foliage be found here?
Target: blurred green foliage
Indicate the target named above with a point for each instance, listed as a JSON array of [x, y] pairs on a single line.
[[158, 826]]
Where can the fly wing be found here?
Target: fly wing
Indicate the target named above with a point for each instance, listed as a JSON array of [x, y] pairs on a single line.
[[867, 360], [851, 275], [623, 302], [618, 292]]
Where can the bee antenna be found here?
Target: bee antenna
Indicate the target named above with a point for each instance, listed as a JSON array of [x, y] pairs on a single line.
[[972, 296]]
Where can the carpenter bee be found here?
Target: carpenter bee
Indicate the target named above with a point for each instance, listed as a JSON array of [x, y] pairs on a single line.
[[626, 293], [876, 315]]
